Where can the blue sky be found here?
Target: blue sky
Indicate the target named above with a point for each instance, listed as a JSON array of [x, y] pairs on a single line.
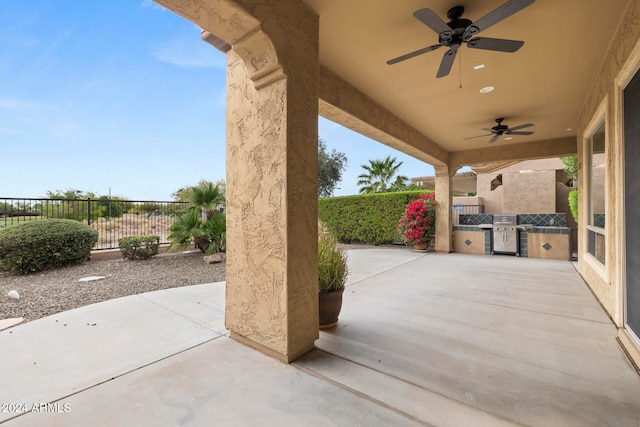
[[122, 95]]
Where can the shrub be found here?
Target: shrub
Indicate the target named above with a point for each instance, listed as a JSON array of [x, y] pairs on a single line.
[[367, 218], [418, 225], [41, 244], [573, 204], [139, 247]]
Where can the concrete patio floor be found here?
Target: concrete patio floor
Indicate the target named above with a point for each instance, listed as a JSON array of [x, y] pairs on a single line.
[[423, 339]]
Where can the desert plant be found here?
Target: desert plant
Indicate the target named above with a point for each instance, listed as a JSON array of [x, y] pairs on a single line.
[[573, 204], [209, 236], [139, 247], [41, 244], [201, 223], [418, 225], [332, 264]]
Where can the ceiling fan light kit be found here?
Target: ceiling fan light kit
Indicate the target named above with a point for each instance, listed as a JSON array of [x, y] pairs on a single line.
[[459, 31]]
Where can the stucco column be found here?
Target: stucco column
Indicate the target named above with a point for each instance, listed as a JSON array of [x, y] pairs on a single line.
[[272, 203], [444, 224], [272, 167]]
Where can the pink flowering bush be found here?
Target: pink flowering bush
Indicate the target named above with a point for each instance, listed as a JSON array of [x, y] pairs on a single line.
[[419, 222]]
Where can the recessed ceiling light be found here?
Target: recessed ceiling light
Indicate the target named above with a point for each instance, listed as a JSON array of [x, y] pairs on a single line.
[[569, 129], [479, 66], [487, 89], [508, 138]]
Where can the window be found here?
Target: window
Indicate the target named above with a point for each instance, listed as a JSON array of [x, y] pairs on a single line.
[[596, 193]]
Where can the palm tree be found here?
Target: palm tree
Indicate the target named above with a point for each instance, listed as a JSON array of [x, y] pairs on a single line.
[[201, 223], [379, 176], [206, 198]]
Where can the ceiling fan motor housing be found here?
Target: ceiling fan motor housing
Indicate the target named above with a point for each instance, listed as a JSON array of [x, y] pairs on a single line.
[[458, 25], [499, 129]]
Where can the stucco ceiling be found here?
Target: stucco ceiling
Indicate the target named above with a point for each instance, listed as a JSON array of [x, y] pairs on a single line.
[[544, 83]]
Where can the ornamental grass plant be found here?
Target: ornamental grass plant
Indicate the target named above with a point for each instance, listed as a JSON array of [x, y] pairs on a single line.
[[332, 264]]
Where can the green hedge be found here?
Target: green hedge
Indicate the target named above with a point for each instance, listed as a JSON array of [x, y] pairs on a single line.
[[41, 244], [367, 218], [139, 247]]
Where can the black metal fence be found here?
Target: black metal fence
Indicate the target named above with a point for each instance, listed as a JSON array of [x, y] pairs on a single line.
[[112, 218]]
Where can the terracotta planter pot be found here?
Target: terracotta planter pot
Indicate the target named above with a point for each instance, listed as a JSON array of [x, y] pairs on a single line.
[[421, 246], [329, 305]]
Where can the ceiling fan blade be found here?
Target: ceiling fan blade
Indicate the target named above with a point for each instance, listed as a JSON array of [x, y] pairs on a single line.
[[526, 125], [489, 130], [501, 45], [447, 62], [502, 12], [479, 136], [494, 139], [431, 20], [521, 133], [412, 54]]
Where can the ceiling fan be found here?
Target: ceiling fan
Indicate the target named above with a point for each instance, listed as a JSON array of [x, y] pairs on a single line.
[[500, 129], [459, 30]]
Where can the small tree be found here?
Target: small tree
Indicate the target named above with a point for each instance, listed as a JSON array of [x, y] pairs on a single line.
[[571, 167], [330, 168], [73, 204]]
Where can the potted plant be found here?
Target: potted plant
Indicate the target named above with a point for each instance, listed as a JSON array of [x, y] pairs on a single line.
[[418, 225], [332, 275]]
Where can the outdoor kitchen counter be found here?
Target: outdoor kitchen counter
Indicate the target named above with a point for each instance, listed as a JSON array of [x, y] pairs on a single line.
[[550, 242]]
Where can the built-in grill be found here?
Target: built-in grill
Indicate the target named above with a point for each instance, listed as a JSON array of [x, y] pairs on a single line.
[[505, 234]]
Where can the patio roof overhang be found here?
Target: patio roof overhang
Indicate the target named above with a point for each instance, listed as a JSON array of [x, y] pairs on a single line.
[[405, 106], [438, 120]]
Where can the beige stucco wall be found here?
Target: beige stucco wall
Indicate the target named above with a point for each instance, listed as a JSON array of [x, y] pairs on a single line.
[[528, 186], [605, 101], [467, 200], [465, 184], [529, 192], [491, 199]]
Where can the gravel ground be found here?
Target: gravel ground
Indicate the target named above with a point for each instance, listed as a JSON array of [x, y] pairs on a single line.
[[49, 292]]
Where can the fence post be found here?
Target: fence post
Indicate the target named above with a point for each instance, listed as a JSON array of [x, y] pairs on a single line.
[[88, 210]]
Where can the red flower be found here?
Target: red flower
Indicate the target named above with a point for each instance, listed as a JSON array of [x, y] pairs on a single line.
[[419, 221]]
